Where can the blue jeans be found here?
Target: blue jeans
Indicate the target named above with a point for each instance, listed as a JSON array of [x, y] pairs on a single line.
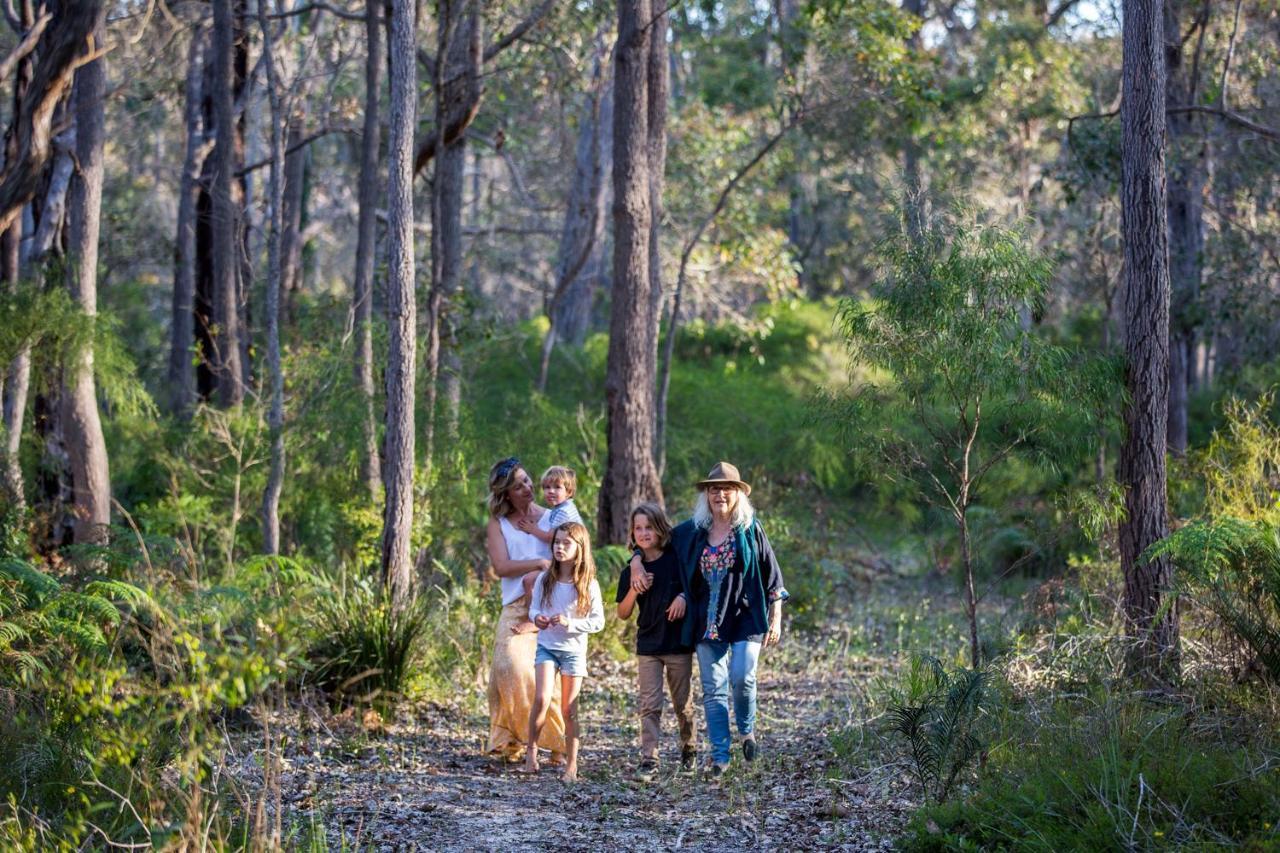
[[719, 665]]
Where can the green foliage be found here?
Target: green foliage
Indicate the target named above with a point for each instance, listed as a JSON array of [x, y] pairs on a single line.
[[366, 646], [1117, 774], [943, 717], [1232, 567], [44, 624]]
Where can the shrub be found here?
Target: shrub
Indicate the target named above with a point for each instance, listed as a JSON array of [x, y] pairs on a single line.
[[365, 646], [1232, 567], [943, 718]]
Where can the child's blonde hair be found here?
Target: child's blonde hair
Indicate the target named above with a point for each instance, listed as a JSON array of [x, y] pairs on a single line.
[[562, 475], [657, 517], [584, 567]]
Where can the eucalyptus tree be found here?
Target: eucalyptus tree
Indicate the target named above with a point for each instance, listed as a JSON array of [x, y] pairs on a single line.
[[1151, 621], [366, 239], [82, 424], [631, 473], [397, 565]]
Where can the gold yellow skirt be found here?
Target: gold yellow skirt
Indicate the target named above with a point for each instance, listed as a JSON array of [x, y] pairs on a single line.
[[511, 689]]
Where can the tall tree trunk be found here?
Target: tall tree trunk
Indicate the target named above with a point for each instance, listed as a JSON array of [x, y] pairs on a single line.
[[224, 217], [182, 387], [1152, 627], [915, 178], [402, 312], [293, 215], [461, 51], [658, 83], [15, 382], [630, 474], [367, 234], [86, 447], [583, 215], [275, 283], [573, 316], [242, 190], [1186, 176]]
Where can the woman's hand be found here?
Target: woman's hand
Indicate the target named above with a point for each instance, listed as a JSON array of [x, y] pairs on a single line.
[[542, 622], [676, 610], [774, 636], [559, 619]]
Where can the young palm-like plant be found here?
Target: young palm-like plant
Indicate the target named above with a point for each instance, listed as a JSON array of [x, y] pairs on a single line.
[[942, 717]]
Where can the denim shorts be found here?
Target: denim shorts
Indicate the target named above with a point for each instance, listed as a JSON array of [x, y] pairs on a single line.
[[568, 662]]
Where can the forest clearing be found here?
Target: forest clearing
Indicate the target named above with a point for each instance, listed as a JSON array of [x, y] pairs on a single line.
[[713, 425]]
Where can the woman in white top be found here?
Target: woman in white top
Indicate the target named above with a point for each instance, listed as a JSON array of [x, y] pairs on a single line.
[[514, 554]]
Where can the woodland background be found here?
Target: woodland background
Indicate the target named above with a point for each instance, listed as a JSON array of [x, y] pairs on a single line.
[[994, 345]]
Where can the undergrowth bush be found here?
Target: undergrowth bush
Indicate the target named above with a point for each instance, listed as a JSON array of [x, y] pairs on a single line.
[[944, 721], [1113, 772]]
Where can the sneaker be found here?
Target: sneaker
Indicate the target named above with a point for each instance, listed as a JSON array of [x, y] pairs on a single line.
[[749, 750], [717, 770], [688, 759]]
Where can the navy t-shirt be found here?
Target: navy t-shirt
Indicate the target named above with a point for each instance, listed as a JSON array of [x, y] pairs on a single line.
[[655, 634]]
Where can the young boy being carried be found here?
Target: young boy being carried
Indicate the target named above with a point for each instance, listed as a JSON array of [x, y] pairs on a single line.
[[559, 484]]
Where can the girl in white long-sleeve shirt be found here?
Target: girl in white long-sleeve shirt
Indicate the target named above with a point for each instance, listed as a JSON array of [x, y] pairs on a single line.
[[565, 606]]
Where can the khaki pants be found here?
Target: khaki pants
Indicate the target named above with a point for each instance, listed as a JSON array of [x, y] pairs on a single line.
[[679, 675]]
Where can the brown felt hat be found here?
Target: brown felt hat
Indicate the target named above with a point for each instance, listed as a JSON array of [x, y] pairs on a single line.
[[725, 472]]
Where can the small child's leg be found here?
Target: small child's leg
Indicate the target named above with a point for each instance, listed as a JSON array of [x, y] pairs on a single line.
[[569, 687], [544, 678]]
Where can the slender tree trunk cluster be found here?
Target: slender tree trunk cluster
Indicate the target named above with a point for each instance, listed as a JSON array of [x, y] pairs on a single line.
[[1152, 623], [631, 473]]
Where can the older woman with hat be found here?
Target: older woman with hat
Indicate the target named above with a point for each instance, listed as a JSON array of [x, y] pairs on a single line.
[[733, 587]]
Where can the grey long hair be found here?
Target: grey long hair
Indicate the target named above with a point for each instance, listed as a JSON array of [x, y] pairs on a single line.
[[743, 512]]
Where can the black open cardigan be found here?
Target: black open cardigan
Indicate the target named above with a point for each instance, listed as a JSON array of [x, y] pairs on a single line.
[[752, 584]]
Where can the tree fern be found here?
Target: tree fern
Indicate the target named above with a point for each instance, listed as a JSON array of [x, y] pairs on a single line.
[[1232, 567]]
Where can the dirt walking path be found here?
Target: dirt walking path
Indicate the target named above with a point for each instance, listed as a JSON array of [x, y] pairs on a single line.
[[422, 783]]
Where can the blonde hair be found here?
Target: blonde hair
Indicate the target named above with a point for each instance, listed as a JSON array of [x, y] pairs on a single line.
[[584, 567], [743, 512], [657, 517], [502, 478], [564, 476]]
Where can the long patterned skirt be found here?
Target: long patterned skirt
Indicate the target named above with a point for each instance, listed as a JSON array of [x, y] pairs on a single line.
[[511, 689]]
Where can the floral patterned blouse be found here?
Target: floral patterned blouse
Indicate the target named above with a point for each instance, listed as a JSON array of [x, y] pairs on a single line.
[[716, 561]]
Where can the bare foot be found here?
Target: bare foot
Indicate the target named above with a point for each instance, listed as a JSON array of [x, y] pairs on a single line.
[[530, 767], [557, 760], [525, 627], [571, 773]]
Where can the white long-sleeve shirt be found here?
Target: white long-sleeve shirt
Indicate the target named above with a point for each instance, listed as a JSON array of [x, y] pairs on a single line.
[[564, 599]]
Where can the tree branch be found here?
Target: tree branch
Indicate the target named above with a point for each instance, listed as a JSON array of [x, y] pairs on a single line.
[[295, 147], [25, 46], [1235, 118], [321, 6], [529, 22]]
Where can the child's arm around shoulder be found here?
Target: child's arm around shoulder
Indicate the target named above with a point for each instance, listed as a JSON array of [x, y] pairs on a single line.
[[627, 596]]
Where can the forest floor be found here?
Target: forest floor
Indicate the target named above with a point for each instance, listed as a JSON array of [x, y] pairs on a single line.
[[421, 782]]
